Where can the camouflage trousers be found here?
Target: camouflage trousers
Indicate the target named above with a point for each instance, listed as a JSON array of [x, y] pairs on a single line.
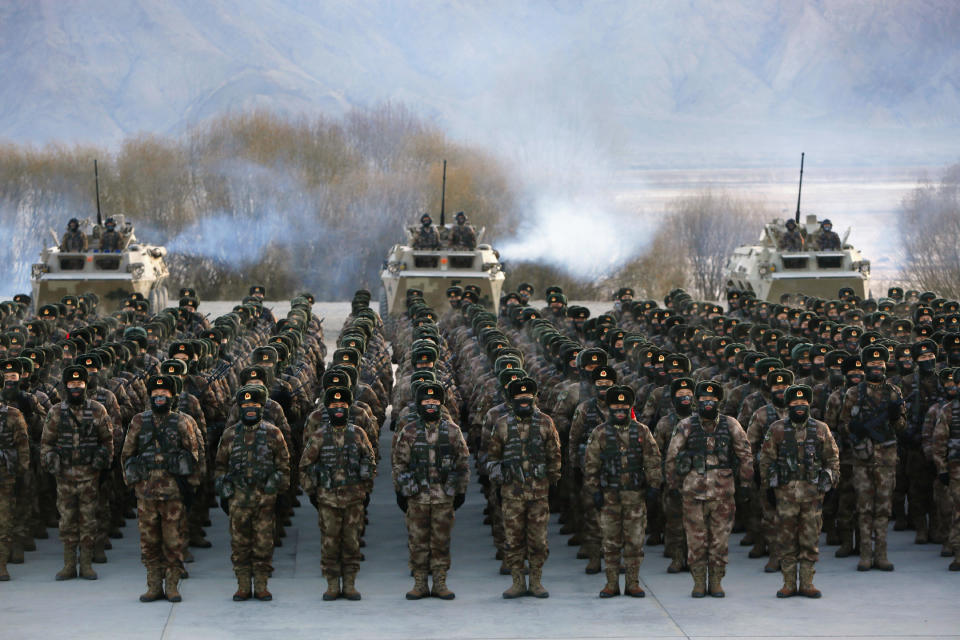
[[901, 486], [428, 535], [340, 544], [708, 524], [590, 531], [954, 489], [7, 510], [77, 504], [940, 528], [525, 530], [161, 533], [251, 535], [920, 490], [673, 534], [24, 497], [874, 486], [762, 520], [495, 510], [798, 527], [105, 497], [623, 523]]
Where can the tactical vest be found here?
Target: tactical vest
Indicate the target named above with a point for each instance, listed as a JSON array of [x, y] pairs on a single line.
[[9, 455], [874, 415], [953, 441], [250, 465], [616, 463], [81, 450], [772, 417], [443, 463], [791, 455], [593, 418], [515, 451], [694, 456], [920, 402], [346, 459], [160, 447], [101, 396]]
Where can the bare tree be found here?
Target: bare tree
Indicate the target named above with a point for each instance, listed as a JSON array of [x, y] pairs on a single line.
[[929, 225]]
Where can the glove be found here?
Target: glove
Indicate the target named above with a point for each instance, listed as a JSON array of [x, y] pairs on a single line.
[[944, 479], [598, 499], [653, 494], [458, 500], [315, 502], [366, 501], [828, 496], [499, 494], [402, 502], [772, 497], [225, 505], [485, 481]]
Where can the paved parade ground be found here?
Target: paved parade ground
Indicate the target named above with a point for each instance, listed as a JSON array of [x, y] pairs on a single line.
[[920, 599]]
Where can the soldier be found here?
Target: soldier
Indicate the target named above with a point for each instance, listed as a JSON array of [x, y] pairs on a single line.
[[921, 390], [14, 468], [675, 542], [946, 456], [76, 445], [111, 240], [523, 460], [252, 469], [826, 239], [792, 240], [799, 462], [622, 471], [463, 236], [336, 471], [74, 240], [426, 236], [161, 462], [705, 452], [870, 421], [431, 472]]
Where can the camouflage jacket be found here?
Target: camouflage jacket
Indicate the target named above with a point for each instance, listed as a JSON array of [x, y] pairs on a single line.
[[760, 422], [799, 489], [14, 443], [598, 462], [343, 494], [444, 472], [267, 451], [51, 445], [160, 484], [946, 446], [880, 447], [715, 483], [530, 487]]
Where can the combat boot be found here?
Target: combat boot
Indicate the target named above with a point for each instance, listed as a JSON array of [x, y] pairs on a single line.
[[154, 590], [333, 587], [69, 570], [806, 581], [716, 575], [85, 568], [504, 569], [654, 539], [440, 589], [677, 561], [631, 584], [420, 589], [593, 565], [773, 563], [260, 591], [172, 584], [699, 573], [4, 576], [536, 589], [243, 585], [16, 551], [866, 556], [518, 588], [955, 565], [197, 540], [747, 539], [38, 531], [789, 588], [99, 554], [575, 540], [349, 590], [28, 543], [880, 556], [612, 588], [759, 549], [922, 536], [846, 545]]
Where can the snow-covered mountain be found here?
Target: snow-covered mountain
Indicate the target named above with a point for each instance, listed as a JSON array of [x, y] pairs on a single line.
[[645, 75]]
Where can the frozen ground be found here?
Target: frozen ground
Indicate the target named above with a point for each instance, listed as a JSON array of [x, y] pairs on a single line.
[[918, 600]]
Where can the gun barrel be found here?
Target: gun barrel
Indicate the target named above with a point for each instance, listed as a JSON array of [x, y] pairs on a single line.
[[800, 189], [443, 194]]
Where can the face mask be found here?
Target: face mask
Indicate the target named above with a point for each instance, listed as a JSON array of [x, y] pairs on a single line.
[[620, 416], [927, 367], [160, 404], [854, 378], [798, 413], [429, 412], [953, 357], [818, 371], [24, 385], [93, 380], [708, 409], [904, 367], [804, 368], [836, 378], [251, 415], [876, 374], [523, 407], [950, 392], [683, 407], [338, 416], [76, 395], [778, 399], [425, 223], [11, 390]]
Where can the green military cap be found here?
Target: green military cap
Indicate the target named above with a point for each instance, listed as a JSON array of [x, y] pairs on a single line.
[[173, 368], [253, 372], [709, 388], [90, 361], [874, 353], [681, 383], [11, 365], [924, 346], [521, 386], [604, 373], [252, 393], [337, 394], [161, 382], [779, 376], [74, 373], [620, 394], [798, 392], [430, 390]]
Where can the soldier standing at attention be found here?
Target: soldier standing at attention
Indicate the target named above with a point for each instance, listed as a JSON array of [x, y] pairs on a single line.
[[705, 453], [799, 462], [336, 471], [14, 467], [431, 471], [160, 459], [523, 460], [946, 456], [76, 445], [870, 421], [252, 469], [622, 472]]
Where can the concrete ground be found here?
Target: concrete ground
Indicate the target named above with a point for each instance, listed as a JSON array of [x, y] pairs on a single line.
[[921, 599]]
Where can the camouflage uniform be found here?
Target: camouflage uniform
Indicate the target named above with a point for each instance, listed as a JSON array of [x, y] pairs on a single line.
[[431, 465], [946, 456], [14, 466], [253, 466]]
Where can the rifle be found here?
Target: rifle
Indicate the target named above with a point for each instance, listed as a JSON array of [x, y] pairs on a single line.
[[218, 374]]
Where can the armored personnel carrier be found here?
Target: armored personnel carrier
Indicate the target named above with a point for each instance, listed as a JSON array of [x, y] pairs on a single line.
[[434, 270], [769, 272], [112, 275]]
